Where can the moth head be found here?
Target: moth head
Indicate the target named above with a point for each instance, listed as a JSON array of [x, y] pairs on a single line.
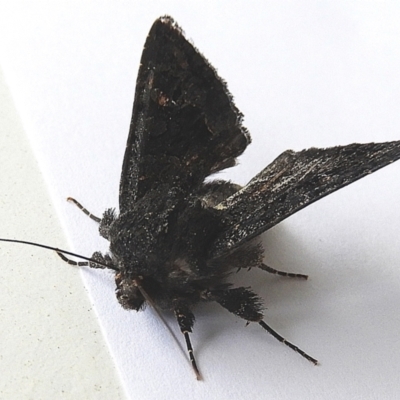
[[128, 292]]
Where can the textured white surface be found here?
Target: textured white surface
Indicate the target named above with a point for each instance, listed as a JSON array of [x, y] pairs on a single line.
[[304, 73], [51, 346]]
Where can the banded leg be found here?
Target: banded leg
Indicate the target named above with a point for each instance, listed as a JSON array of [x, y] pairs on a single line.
[[266, 268], [277, 336], [247, 305], [85, 210], [185, 320], [72, 262], [100, 261]]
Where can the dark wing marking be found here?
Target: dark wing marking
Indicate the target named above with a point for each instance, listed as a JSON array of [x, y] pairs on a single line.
[[184, 124], [293, 181]]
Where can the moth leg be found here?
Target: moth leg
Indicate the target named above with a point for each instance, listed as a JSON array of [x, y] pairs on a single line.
[[85, 210], [247, 305], [277, 336], [271, 270], [185, 320], [104, 261], [72, 262]]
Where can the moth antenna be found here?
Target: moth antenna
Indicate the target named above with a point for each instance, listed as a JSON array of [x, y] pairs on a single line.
[[158, 312], [59, 252]]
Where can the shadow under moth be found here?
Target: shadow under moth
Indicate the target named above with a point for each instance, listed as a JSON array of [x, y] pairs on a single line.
[[176, 238]]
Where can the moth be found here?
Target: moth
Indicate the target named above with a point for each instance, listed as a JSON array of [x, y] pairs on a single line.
[[177, 238]]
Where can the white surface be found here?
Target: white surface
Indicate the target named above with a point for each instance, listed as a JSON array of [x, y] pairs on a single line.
[[304, 73], [51, 346]]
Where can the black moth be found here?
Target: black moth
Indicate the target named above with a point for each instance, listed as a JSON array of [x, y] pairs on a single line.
[[177, 238]]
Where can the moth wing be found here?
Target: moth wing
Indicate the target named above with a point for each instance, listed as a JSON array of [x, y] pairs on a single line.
[[184, 124], [293, 181]]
